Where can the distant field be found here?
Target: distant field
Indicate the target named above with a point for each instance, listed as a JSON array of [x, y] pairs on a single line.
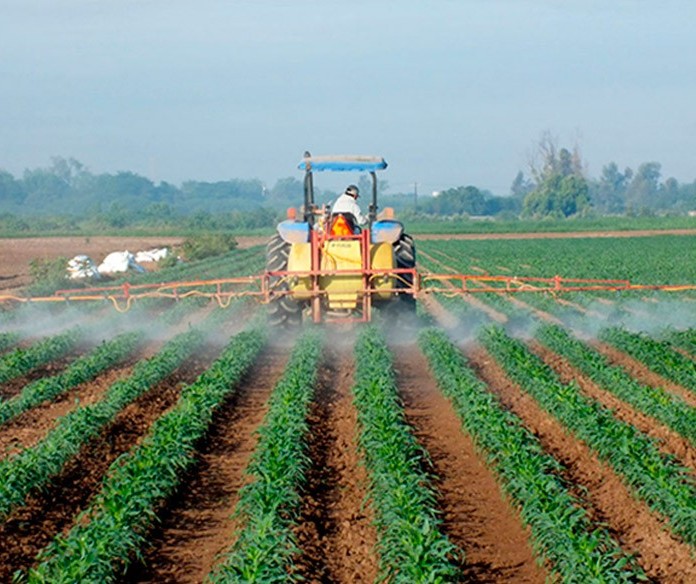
[[489, 225], [651, 258]]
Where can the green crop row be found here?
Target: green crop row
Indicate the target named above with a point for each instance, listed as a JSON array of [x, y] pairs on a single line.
[[685, 340], [112, 530], [661, 405], [269, 504], [561, 529], [21, 361], [7, 340], [34, 466], [658, 356], [411, 546], [658, 479], [82, 369]]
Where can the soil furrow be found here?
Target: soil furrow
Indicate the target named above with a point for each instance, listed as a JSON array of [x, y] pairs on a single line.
[[335, 533], [33, 526], [477, 516], [641, 372], [32, 426], [663, 557], [669, 441], [443, 316], [14, 386], [197, 524]]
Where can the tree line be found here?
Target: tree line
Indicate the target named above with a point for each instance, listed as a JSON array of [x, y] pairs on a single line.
[[66, 194], [558, 186]]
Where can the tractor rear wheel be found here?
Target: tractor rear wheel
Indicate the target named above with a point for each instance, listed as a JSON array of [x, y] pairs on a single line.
[[405, 254], [283, 310]]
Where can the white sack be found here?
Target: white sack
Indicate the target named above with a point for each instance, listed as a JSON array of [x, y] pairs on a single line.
[[152, 255], [118, 262], [82, 266]]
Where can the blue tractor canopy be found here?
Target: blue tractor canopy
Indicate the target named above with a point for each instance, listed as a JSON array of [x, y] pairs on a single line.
[[354, 163], [340, 163]]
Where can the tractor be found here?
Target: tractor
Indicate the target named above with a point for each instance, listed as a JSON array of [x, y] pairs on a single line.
[[323, 265]]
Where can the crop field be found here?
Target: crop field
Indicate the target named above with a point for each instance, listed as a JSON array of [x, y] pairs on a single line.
[[493, 438]]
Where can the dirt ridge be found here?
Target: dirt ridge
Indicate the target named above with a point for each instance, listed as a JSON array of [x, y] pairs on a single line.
[[477, 516], [608, 501]]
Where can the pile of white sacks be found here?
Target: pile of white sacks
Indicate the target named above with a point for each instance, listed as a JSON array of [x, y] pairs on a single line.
[[117, 262]]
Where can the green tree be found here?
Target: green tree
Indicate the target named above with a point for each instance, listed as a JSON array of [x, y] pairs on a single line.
[[45, 191], [558, 196], [609, 193], [288, 191], [365, 186], [643, 190], [11, 191], [669, 193], [521, 186], [561, 189]]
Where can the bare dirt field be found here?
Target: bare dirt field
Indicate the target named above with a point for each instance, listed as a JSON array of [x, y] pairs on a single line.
[[16, 254]]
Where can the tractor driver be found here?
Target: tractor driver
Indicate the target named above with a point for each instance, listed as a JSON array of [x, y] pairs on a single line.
[[347, 204]]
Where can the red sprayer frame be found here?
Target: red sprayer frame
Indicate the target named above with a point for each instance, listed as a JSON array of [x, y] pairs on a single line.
[[258, 287]]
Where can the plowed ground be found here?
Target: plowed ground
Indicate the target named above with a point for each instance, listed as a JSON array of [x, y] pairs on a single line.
[[335, 531]]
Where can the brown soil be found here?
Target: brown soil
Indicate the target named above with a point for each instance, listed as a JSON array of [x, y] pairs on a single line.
[[638, 530], [669, 441], [14, 386], [443, 316], [476, 515], [16, 254], [641, 373], [196, 524], [33, 425], [31, 527], [335, 533]]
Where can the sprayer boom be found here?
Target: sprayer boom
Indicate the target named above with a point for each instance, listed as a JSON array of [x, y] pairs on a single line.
[[270, 285]]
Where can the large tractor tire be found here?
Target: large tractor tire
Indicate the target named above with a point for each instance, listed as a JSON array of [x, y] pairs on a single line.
[[405, 254], [282, 310]]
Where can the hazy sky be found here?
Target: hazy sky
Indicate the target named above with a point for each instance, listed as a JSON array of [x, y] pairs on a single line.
[[450, 92]]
